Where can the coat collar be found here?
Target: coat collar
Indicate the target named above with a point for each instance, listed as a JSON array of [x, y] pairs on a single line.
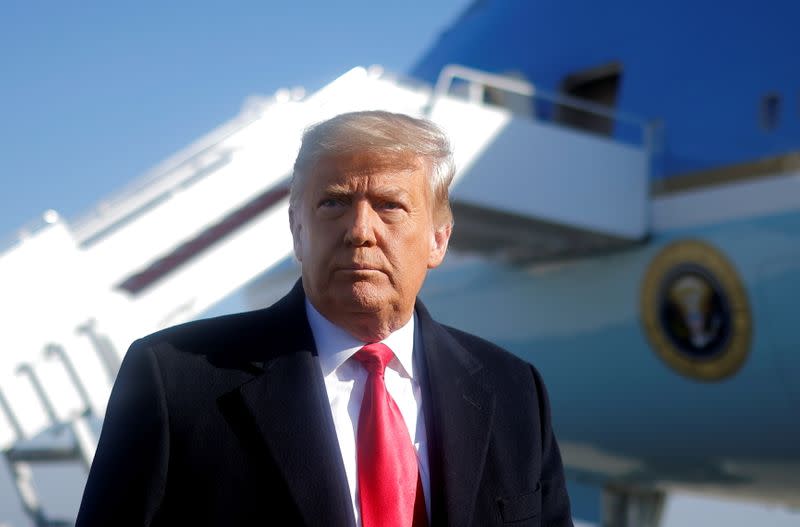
[[289, 405]]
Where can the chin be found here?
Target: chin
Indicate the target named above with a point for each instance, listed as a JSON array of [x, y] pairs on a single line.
[[367, 297]]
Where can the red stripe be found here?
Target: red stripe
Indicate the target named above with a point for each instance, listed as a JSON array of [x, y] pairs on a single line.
[[168, 263]]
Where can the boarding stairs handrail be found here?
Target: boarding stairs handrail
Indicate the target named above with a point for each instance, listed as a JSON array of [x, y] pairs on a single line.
[[80, 429], [477, 82], [160, 180]]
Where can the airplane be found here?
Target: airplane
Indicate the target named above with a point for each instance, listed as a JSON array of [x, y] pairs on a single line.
[[671, 358], [671, 361], [626, 219]]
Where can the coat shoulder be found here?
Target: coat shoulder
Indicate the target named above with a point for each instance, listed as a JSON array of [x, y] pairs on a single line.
[[486, 351], [504, 367], [240, 338], [200, 335]]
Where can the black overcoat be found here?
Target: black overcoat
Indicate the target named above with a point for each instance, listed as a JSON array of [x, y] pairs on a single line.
[[226, 421]]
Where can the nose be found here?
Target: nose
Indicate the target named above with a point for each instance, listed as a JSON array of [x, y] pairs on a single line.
[[360, 231]]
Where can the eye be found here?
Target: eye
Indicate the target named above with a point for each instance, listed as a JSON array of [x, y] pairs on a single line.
[[328, 203], [390, 205]]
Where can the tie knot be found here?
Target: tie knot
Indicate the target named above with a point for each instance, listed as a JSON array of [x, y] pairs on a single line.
[[374, 357]]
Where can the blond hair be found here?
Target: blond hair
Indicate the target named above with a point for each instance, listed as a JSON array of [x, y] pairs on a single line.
[[386, 135]]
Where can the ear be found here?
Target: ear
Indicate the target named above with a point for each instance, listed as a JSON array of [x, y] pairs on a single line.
[[295, 227], [439, 241]]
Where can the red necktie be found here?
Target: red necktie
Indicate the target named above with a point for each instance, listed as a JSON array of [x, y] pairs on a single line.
[[389, 486]]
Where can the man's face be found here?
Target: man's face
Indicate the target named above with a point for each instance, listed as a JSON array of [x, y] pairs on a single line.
[[364, 231]]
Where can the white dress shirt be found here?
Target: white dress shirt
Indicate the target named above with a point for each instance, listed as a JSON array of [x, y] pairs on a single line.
[[345, 378]]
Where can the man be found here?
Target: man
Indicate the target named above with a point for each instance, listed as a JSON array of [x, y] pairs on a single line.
[[344, 403]]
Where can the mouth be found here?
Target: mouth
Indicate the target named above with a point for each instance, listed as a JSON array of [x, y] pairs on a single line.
[[358, 269]]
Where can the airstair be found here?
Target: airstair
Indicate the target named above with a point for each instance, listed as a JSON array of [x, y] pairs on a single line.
[[213, 218]]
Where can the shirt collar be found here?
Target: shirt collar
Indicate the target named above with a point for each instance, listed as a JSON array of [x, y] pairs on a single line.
[[335, 345]]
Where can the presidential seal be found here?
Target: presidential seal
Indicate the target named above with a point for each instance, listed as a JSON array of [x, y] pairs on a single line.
[[695, 311]]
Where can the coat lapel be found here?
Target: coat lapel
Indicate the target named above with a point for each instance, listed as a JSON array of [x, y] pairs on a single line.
[[459, 417], [292, 413], [289, 405]]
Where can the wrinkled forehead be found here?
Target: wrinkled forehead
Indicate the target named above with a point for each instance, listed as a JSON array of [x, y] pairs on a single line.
[[364, 163], [332, 168]]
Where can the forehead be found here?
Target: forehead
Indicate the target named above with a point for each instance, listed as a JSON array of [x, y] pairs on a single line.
[[335, 166]]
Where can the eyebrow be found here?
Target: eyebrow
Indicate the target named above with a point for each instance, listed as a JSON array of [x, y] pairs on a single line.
[[336, 191], [391, 190], [341, 191]]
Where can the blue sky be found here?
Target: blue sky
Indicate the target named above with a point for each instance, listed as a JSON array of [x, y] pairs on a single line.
[[92, 94]]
